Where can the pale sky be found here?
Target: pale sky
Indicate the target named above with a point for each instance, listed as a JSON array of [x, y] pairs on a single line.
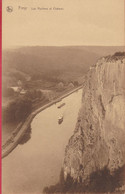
[[81, 22]]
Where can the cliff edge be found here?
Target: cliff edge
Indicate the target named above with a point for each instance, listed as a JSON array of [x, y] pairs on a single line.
[[98, 141]]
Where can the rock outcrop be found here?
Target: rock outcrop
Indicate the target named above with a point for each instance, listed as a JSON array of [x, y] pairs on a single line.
[[99, 137]]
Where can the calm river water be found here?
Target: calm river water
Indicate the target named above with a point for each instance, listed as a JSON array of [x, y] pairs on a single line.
[[37, 163]]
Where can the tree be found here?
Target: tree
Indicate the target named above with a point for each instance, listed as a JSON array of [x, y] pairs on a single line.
[[7, 92], [39, 94], [23, 108], [119, 54], [17, 110], [76, 83]]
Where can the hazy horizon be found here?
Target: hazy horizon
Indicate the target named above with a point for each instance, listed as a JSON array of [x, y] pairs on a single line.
[[20, 46]]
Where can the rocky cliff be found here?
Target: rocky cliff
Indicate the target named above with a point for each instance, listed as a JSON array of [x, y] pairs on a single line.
[[99, 137], [95, 155]]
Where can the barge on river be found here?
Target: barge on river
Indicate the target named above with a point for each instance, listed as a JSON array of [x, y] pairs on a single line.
[[60, 119], [61, 105]]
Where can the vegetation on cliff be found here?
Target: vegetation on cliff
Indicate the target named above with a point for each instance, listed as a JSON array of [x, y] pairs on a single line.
[[100, 181]]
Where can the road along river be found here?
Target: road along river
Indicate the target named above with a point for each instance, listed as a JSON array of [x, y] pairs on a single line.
[[36, 164]]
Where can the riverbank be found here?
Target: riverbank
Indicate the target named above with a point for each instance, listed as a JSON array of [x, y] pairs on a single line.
[[13, 141]]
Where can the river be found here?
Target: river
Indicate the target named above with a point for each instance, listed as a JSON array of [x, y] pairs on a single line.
[[37, 163]]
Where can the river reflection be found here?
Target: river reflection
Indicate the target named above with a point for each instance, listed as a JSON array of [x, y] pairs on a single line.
[[37, 163], [27, 136]]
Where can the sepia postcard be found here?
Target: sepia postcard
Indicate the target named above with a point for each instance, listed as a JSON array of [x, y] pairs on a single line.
[[63, 96]]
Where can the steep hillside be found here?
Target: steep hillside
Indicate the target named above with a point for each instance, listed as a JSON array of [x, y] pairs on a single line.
[[98, 141]]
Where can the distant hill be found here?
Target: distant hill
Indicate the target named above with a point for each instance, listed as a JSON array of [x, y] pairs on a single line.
[[40, 62]]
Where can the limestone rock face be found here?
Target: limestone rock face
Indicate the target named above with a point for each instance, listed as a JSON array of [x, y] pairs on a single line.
[[99, 137]]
